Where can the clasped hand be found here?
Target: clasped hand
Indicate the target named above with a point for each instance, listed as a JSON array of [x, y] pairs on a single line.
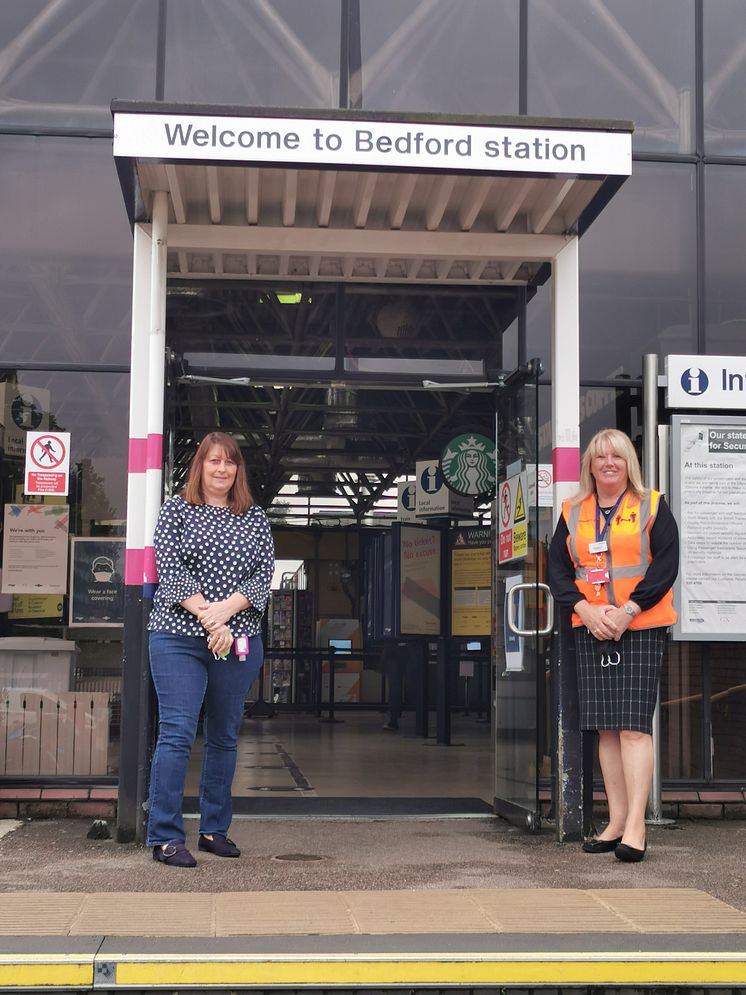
[[213, 615], [605, 622]]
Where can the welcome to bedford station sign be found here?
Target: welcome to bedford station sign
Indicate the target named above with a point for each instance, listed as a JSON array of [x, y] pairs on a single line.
[[334, 142]]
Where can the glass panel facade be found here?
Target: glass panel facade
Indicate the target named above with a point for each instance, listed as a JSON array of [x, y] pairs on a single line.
[[275, 54], [626, 59], [681, 712], [62, 63], [638, 274], [457, 58], [66, 249], [65, 253], [728, 711], [725, 78], [50, 666], [725, 233]]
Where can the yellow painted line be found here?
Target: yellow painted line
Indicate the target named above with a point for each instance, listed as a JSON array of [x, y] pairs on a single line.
[[700, 970], [46, 971]]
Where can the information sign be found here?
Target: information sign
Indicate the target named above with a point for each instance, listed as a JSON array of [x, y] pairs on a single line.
[[35, 548], [709, 503], [96, 582], [471, 581]]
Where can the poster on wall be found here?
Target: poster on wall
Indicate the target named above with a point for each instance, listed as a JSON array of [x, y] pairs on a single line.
[[35, 548], [419, 581], [471, 581], [709, 504], [96, 582]]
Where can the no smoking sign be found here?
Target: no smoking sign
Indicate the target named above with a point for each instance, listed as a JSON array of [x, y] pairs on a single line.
[[47, 462]]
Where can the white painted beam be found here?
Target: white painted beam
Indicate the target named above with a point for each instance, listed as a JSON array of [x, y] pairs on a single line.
[[253, 188], [289, 197], [508, 209], [175, 192], [440, 195], [473, 200], [548, 203], [400, 199], [213, 194], [325, 197], [364, 190], [329, 241]]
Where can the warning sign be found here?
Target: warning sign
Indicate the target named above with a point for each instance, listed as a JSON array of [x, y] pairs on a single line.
[[513, 537], [47, 462]]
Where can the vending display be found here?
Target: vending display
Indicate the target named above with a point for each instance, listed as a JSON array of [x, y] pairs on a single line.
[[290, 628]]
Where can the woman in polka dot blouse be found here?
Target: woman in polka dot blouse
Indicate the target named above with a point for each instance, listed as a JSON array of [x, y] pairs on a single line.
[[215, 560]]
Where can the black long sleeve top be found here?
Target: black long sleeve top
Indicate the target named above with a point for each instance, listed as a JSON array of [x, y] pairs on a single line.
[[660, 575]]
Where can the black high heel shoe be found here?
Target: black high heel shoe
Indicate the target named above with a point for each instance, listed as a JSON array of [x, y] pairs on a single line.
[[630, 854], [601, 846]]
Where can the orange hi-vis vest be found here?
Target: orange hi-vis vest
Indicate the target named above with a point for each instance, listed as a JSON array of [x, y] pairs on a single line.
[[627, 557]]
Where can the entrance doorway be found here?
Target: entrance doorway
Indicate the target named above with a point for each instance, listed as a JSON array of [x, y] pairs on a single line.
[[325, 452]]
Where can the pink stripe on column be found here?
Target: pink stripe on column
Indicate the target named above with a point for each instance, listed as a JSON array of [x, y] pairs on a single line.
[[150, 574], [155, 451], [133, 560], [566, 463], [138, 456]]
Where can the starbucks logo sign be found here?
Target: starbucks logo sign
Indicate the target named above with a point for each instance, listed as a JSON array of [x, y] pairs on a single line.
[[468, 464]]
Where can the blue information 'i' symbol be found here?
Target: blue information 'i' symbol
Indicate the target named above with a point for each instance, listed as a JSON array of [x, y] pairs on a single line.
[[431, 479], [694, 381]]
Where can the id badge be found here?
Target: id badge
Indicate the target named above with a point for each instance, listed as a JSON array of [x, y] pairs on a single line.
[[241, 647], [597, 575], [598, 547]]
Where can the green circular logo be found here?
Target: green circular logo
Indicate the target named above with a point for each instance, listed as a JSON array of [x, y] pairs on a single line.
[[468, 464]]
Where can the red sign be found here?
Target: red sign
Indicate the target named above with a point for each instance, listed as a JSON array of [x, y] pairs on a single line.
[[506, 546], [47, 462]]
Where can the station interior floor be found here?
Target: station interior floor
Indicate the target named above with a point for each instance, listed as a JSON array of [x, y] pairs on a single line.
[[297, 755]]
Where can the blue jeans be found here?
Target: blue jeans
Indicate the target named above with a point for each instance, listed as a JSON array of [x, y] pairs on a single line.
[[185, 675]]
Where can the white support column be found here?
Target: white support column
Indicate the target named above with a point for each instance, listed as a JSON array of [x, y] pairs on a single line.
[[138, 413], [155, 377], [570, 783], [565, 374]]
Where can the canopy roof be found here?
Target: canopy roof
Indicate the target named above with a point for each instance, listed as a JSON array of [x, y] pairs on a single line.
[[252, 195], [434, 230]]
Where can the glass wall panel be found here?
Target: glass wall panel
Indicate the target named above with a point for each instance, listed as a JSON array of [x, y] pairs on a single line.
[[62, 63], [62, 593], [725, 77], [725, 240], [728, 706], [65, 253], [620, 59], [278, 53], [681, 712], [444, 57], [638, 274]]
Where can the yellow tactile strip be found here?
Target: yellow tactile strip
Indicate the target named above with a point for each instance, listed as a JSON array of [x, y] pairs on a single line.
[[300, 913]]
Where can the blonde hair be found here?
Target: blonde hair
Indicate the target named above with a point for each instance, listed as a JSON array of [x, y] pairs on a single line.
[[239, 496], [621, 445]]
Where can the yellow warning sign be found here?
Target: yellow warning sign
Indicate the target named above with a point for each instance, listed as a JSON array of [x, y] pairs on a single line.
[[520, 508]]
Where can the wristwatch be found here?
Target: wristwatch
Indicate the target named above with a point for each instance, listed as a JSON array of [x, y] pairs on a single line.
[[629, 609]]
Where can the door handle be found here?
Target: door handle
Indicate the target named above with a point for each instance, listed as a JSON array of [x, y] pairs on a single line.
[[513, 610]]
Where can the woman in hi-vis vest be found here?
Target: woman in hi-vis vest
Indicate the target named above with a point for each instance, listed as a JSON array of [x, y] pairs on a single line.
[[612, 562]]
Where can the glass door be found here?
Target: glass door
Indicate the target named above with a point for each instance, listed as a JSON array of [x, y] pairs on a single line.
[[522, 607]]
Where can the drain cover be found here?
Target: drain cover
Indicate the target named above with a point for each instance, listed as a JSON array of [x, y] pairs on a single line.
[[298, 856]]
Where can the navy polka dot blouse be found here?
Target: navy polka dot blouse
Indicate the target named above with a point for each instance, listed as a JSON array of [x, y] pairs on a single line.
[[203, 548]]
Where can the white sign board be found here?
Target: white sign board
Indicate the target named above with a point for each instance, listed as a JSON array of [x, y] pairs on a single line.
[[396, 144], [433, 496], [406, 506], [47, 463], [35, 548], [709, 503], [706, 382]]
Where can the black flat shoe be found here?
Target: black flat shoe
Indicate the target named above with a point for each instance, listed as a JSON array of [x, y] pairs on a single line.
[[601, 846], [221, 846], [629, 854], [175, 854]]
